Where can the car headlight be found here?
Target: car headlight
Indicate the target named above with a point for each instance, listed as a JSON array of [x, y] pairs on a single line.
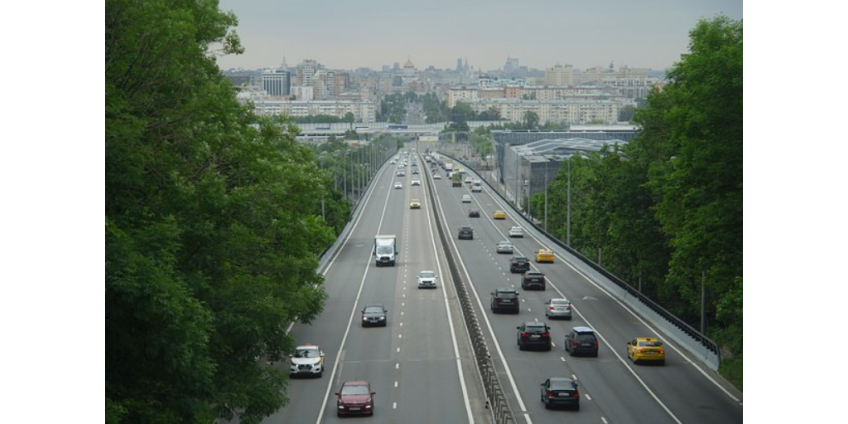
[[382, 318]]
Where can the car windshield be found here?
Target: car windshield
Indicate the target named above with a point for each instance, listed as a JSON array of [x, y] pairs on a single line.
[[585, 338], [559, 302], [561, 384], [427, 274], [535, 328], [384, 250], [373, 310], [650, 343], [355, 390], [306, 353]]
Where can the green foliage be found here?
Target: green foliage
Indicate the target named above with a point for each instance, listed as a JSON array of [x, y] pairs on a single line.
[[213, 226], [531, 120], [392, 108], [667, 207], [625, 114]]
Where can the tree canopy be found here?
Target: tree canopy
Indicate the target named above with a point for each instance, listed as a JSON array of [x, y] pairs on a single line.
[[666, 209], [213, 225]]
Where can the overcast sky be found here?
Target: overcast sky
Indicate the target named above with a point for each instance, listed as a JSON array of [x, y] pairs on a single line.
[[347, 34]]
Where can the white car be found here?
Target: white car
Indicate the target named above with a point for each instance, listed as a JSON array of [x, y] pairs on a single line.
[[308, 360], [516, 232], [415, 183], [466, 198], [437, 176], [427, 279], [505, 247], [398, 185]]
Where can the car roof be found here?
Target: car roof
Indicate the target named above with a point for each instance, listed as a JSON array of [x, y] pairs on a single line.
[[647, 339], [506, 291], [373, 305], [559, 299], [583, 330], [520, 258]]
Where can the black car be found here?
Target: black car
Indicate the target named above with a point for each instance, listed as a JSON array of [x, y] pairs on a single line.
[[374, 315], [533, 280], [534, 334], [505, 300], [519, 265], [560, 391], [581, 341], [473, 213], [466, 233]]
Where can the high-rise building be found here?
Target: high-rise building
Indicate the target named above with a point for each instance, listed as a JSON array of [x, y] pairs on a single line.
[[277, 82]]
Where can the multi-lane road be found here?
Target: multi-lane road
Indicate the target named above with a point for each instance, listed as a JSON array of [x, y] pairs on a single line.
[[421, 364]]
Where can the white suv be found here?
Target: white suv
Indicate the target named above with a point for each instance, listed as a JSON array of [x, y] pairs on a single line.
[[426, 279], [307, 359]]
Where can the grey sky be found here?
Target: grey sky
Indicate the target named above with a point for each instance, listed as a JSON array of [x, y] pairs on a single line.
[[347, 34]]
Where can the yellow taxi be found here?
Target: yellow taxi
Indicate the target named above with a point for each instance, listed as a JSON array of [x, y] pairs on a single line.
[[545, 255], [646, 349], [499, 214], [415, 204]]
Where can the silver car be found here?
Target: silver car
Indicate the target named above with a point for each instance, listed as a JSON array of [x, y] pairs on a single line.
[[504, 247], [558, 308], [516, 232], [427, 279], [466, 198]]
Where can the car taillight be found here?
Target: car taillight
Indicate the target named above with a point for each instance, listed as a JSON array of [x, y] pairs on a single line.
[[546, 334], [575, 394], [525, 335], [596, 343], [662, 351], [552, 308], [574, 343], [551, 394]]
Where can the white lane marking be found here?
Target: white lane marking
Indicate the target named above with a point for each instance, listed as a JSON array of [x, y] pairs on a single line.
[[563, 358], [394, 405], [401, 324], [553, 344], [614, 351], [527, 418], [604, 420], [397, 366], [588, 397], [459, 367], [396, 383], [489, 327], [400, 336], [398, 350], [353, 311], [626, 308], [573, 377]]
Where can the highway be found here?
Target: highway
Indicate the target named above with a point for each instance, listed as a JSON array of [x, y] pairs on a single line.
[[421, 364], [612, 389]]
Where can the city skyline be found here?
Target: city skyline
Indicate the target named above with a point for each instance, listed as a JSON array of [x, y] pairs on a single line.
[[349, 35]]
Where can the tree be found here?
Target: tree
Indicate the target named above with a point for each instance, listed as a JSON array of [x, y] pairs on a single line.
[[625, 114], [531, 120], [212, 222]]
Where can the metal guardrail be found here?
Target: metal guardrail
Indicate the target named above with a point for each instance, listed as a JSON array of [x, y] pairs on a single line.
[[703, 340], [495, 396]]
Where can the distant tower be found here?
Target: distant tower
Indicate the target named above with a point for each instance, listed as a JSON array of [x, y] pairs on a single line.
[[611, 68], [284, 65]]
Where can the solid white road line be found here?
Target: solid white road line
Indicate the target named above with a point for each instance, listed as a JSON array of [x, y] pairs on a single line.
[[459, 368], [355, 304]]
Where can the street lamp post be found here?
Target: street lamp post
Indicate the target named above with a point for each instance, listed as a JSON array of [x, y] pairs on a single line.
[[568, 212]]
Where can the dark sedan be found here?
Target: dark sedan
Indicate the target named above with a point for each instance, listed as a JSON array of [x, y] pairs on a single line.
[[473, 213], [355, 398], [466, 233], [374, 315], [560, 391], [534, 334]]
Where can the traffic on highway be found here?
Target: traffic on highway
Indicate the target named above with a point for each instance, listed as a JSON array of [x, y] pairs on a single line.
[[392, 342]]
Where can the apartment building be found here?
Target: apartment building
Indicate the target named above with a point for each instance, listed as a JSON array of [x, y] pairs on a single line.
[[362, 111]]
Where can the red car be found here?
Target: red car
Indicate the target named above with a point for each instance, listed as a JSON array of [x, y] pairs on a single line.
[[355, 398]]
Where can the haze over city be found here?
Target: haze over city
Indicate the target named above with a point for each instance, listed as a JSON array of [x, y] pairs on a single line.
[[348, 35]]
